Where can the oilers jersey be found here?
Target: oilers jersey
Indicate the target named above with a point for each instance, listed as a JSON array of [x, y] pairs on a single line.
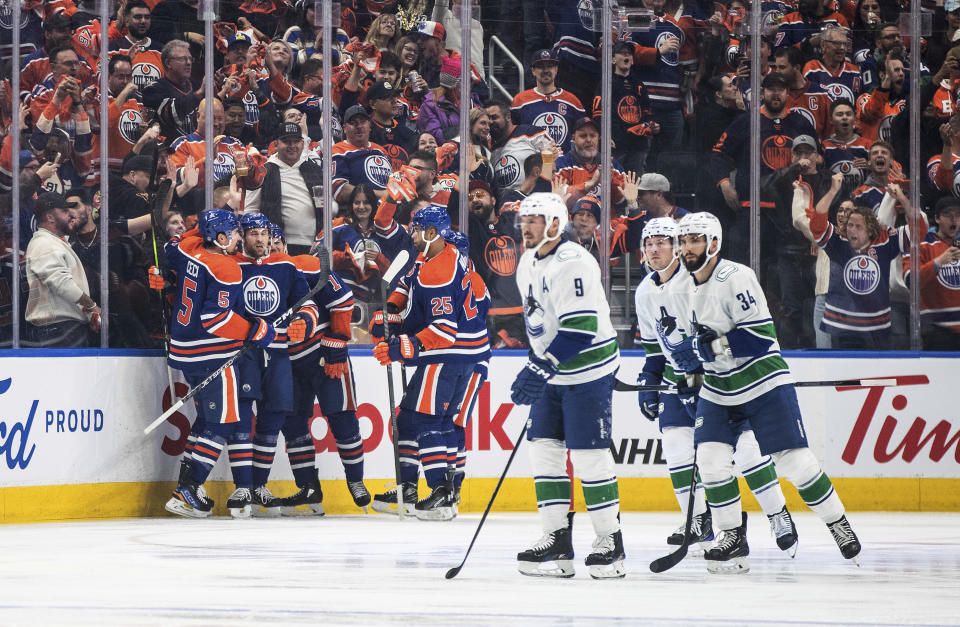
[[194, 145], [206, 327], [334, 307], [564, 301], [731, 303], [353, 165], [508, 170], [555, 113], [270, 287], [660, 309], [438, 305]]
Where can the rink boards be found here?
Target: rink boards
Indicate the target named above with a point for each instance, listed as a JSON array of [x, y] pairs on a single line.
[[72, 443]]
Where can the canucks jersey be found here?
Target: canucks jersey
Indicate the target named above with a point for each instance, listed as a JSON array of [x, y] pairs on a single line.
[[731, 303], [660, 309], [564, 306], [270, 287], [437, 303], [206, 328]]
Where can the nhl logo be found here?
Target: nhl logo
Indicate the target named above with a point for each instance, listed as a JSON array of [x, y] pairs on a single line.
[[144, 75], [861, 274], [261, 296], [555, 125], [129, 125], [377, 169]]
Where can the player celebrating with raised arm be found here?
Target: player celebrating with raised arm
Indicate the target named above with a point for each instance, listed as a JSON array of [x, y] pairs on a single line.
[[661, 301], [731, 336], [435, 299], [568, 382]]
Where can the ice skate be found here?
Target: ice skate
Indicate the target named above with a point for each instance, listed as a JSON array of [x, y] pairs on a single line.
[[550, 556], [307, 502], [240, 503], [386, 503], [783, 529], [359, 493], [846, 539], [438, 506], [265, 504], [729, 555], [701, 534], [189, 500], [606, 560]]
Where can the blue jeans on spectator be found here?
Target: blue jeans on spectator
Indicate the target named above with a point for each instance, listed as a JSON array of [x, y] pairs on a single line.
[[824, 339], [798, 278]]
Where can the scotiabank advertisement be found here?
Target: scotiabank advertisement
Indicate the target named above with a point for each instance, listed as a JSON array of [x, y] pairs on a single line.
[[68, 420]]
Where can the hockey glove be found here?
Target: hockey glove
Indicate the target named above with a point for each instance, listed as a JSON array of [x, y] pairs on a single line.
[[530, 383], [376, 324], [261, 333], [300, 328], [155, 278], [333, 347], [400, 348], [687, 395], [693, 351], [402, 185], [649, 399]]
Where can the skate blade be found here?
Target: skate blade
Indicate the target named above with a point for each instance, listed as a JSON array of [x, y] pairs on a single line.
[[562, 569], [178, 507], [792, 550], [266, 512], [854, 560], [608, 571], [440, 513], [302, 510], [381, 508], [733, 566], [241, 513]]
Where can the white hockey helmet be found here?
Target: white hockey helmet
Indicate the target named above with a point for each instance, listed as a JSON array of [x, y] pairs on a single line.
[[702, 223], [664, 227], [549, 206]]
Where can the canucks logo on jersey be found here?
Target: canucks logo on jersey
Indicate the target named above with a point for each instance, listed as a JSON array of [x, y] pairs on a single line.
[[533, 315], [667, 327], [261, 296]]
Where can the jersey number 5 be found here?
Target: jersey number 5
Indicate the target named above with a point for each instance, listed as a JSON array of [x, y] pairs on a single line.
[[183, 316]]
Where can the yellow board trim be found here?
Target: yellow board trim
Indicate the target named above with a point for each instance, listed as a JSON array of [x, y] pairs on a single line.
[[88, 501]]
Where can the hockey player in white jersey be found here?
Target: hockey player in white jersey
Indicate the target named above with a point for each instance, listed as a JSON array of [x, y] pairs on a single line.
[[661, 299], [568, 382], [732, 337]]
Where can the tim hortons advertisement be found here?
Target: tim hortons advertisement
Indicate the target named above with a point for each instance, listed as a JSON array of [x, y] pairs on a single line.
[[81, 420]]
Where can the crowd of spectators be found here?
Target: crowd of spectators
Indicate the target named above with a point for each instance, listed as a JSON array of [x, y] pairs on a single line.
[[835, 223]]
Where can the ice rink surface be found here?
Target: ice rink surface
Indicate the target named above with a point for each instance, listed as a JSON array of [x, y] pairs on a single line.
[[374, 569]]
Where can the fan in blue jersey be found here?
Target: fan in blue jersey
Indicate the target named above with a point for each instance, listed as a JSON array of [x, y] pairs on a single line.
[[206, 330], [271, 285], [436, 301]]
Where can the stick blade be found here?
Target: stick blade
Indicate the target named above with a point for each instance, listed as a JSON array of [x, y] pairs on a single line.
[[623, 386], [396, 266], [453, 572], [667, 562]]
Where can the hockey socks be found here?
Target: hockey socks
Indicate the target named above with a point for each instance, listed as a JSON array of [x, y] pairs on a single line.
[[206, 451], [801, 468], [264, 450], [302, 456], [346, 431], [595, 469], [408, 446], [759, 472], [548, 459]]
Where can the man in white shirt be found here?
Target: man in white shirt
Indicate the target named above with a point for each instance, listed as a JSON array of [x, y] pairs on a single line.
[[59, 308]]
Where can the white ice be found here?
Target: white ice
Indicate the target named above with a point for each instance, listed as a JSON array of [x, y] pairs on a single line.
[[375, 569]]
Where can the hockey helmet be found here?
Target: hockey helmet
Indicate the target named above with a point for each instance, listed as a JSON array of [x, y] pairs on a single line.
[[660, 227], [459, 240], [702, 223], [254, 220], [276, 233], [431, 216], [215, 221], [551, 207]]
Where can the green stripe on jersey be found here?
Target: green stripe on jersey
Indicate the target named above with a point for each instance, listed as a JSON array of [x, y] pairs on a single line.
[[599, 494], [580, 323], [766, 330], [591, 356], [670, 375], [552, 489], [651, 349], [816, 490], [744, 378]]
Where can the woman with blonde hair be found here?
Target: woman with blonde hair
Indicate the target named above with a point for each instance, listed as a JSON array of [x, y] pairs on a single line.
[[384, 32]]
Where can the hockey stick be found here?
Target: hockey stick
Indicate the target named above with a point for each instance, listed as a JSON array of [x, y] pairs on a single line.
[[623, 386], [453, 572], [321, 283], [395, 267], [669, 561]]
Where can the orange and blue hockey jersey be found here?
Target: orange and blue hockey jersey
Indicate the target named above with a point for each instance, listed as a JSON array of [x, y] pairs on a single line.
[[354, 165], [270, 287], [147, 67], [206, 327], [555, 113], [193, 145], [939, 285], [334, 308], [438, 306], [840, 155], [844, 83]]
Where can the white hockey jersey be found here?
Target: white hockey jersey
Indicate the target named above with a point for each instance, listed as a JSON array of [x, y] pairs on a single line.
[[563, 291], [661, 324], [731, 303]]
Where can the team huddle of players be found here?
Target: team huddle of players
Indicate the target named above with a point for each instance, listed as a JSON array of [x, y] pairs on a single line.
[[726, 400]]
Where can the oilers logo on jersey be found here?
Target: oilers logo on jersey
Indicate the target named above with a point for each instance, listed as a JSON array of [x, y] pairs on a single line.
[[949, 275], [378, 169], [851, 176], [555, 125], [861, 274], [672, 58], [223, 165], [533, 315], [507, 171], [839, 90], [144, 75], [129, 125], [261, 295]]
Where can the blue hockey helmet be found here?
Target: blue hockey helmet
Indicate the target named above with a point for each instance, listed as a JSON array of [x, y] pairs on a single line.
[[434, 216], [254, 220], [215, 221], [459, 240], [277, 233]]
